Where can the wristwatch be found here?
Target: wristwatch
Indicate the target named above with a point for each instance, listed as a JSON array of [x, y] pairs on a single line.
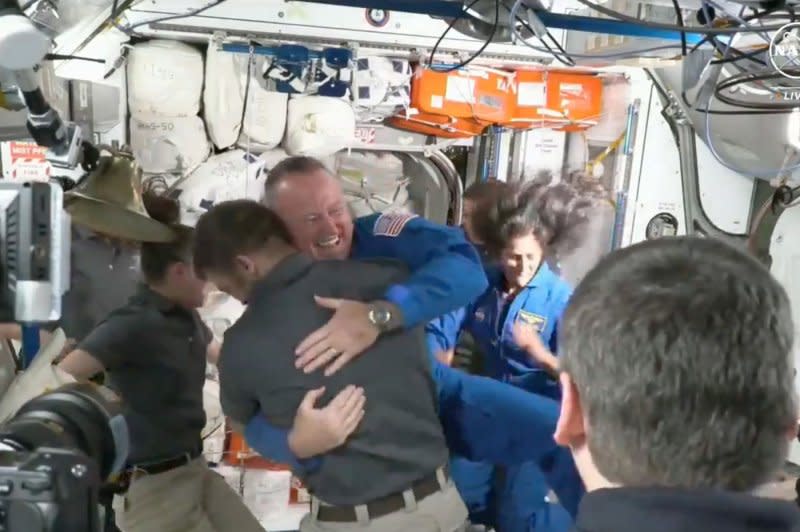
[[380, 315]]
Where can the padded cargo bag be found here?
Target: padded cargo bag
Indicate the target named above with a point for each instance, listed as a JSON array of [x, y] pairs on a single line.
[[165, 78], [226, 176], [319, 126], [380, 86], [224, 100], [169, 145], [222, 104]]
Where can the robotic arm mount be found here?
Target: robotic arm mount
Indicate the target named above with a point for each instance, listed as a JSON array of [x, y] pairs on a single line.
[[63, 139], [23, 46]]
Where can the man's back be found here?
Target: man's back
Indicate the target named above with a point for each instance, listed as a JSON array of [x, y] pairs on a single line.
[[400, 439]]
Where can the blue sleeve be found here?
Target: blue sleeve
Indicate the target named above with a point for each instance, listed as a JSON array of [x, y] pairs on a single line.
[[442, 332], [273, 443], [446, 270]]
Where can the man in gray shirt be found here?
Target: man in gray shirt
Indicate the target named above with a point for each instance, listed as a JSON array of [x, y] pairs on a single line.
[[390, 475]]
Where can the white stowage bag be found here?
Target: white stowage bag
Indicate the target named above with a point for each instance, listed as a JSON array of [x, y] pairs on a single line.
[[380, 86], [319, 126], [265, 114], [169, 145], [373, 182], [165, 78], [223, 103], [230, 175], [40, 377]]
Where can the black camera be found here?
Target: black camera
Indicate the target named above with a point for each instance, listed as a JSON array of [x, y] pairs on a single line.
[[55, 453]]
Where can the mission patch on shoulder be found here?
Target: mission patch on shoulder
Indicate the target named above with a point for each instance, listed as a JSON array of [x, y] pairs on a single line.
[[534, 320], [391, 223]]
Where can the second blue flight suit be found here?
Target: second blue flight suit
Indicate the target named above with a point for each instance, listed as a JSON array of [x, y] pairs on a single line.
[[483, 419]]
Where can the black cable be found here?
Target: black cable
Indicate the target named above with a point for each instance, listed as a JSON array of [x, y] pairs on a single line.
[[62, 57], [750, 77], [569, 61], [679, 16], [768, 13], [250, 65], [741, 56], [129, 29], [765, 111], [450, 27], [565, 60]]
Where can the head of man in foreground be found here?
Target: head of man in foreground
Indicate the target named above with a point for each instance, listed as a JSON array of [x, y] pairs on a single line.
[[677, 369]]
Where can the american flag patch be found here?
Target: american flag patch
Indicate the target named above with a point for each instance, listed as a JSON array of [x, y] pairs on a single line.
[[391, 224]]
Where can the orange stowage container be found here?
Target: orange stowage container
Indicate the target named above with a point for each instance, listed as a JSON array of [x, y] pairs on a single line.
[[438, 125], [578, 96], [529, 108], [563, 101], [476, 93], [239, 453]]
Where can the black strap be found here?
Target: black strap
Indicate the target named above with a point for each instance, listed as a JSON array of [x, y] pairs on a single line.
[[154, 468]]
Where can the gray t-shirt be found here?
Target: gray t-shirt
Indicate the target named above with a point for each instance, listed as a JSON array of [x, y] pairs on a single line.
[[400, 439], [102, 278], [155, 355]]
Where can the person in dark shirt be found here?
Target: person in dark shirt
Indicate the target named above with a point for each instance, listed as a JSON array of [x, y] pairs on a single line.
[[390, 474], [154, 349], [678, 397]]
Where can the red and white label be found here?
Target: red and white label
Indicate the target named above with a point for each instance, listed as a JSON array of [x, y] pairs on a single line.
[[24, 161], [366, 135]]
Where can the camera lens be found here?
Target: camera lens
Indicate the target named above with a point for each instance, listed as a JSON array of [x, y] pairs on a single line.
[[78, 416]]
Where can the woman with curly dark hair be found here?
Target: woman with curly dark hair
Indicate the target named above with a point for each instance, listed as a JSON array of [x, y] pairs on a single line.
[[525, 231]]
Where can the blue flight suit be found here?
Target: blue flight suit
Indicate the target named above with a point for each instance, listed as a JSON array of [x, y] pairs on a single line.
[[519, 503], [482, 419], [491, 319]]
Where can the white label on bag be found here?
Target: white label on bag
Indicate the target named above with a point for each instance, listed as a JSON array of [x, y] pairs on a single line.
[[460, 89], [532, 94]]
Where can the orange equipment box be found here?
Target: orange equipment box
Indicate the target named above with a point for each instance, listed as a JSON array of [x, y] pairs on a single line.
[[558, 100], [476, 93]]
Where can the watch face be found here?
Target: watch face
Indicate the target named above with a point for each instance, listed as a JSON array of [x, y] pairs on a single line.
[[380, 316]]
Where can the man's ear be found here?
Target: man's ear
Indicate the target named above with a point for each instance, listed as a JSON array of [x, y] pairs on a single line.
[[570, 430], [177, 270], [245, 265]]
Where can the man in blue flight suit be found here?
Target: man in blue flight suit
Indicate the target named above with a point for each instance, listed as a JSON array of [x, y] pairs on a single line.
[[483, 419], [515, 322]]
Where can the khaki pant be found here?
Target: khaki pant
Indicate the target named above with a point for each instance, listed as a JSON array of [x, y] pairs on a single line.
[[443, 511], [191, 498]]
